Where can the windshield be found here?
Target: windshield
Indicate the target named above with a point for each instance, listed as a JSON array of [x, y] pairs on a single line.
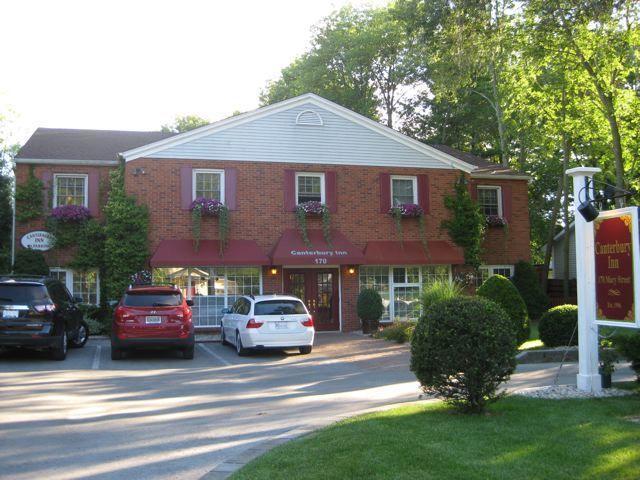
[[21, 294], [279, 307], [152, 299]]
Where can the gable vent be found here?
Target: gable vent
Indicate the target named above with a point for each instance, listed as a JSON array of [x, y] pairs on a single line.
[[309, 117]]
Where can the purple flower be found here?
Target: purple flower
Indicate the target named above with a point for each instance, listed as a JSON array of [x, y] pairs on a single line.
[[71, 213], [408, 210], [496, 221], [209, 207], [312, 207]]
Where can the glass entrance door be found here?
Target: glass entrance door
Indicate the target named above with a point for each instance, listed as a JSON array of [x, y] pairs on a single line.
[[318, 289]]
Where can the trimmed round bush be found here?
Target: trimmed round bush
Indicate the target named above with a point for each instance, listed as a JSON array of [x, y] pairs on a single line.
[[526, 281], [462, 349], [557, 326], [370, 309], [504, 293], [30, 262]]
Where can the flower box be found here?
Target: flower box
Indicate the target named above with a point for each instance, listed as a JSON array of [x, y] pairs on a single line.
[[71, 213], [207, 207], [496, 221], [407, 210], [312, 208]]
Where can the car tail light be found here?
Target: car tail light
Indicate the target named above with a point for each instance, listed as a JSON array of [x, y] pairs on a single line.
[[123, 316], [47, 307], [308, 322], [253, 324]]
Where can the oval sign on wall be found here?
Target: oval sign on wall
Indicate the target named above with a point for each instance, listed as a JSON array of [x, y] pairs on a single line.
[[38, 240]]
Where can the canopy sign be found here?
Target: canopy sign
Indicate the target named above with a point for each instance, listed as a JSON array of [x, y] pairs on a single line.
[[616, 267]]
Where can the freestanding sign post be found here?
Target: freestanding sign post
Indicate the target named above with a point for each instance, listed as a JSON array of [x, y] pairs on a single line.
[[588, 377]]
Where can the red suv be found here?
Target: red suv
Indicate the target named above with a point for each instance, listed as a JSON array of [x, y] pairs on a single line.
[[152, 316]]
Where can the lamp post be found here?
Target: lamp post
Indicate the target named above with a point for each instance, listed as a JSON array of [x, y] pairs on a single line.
[[588, 378]]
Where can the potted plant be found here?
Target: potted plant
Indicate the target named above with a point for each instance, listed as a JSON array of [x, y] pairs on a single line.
[[313, 209], [608, 358], [370, 309]]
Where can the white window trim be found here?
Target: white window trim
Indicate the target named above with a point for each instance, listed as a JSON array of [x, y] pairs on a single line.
[[491, 267], [322, 183], [499, 193], [85, 176], [69, 281], [413, 178], [195, 172]]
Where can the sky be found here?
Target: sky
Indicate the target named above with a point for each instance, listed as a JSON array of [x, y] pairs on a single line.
[[136, 64]]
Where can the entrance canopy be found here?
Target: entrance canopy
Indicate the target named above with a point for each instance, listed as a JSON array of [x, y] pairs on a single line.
[[180, 253], [291, 250], [438, 252]]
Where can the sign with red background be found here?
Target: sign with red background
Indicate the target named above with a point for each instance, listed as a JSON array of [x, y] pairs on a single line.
[[614, 262]]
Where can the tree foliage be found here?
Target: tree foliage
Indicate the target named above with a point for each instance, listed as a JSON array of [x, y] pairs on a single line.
[[30, 262], [184, 124], [126, 244]]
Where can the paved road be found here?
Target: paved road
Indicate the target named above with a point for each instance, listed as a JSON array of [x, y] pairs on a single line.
[[157, 416]]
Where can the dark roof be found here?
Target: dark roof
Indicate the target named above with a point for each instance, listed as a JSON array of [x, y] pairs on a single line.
[[484, 166], [75, 144]]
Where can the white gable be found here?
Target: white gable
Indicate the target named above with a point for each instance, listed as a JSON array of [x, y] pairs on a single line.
[[305, 132]]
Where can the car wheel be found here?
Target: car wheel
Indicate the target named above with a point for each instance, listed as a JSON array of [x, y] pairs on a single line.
[[81, 336], [59, 352], [239, 348], [116, 354], [188, 352], [223, 338], [306, 350]]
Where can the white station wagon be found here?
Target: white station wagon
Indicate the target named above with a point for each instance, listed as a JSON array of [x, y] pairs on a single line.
[[268, 321]]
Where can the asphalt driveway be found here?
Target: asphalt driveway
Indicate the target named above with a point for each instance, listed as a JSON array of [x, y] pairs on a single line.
[[155, 415]]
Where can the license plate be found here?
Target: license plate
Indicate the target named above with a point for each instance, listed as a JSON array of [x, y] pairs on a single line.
[[153, 320], [281, 325], [10, 313]]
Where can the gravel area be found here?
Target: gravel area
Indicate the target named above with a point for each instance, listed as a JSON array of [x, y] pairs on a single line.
[[558, 392]]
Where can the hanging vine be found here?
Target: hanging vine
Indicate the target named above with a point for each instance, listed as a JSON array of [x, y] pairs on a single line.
[[30, 198], [313, 208], [206, 207], [410, 210]]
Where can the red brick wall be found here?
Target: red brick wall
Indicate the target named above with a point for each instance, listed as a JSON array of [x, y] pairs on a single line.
[[57, 257]]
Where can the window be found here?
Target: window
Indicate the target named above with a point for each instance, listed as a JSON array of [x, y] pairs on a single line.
[[152, 299], [401, 287], [85, 286], [212, 288], [208, 184], [309, 187], [490, 200], [279, 307], [487, 271], [80, 284], [404, 190], [70, 190]]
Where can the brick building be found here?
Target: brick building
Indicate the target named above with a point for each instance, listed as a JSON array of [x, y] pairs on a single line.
[[261, 165]]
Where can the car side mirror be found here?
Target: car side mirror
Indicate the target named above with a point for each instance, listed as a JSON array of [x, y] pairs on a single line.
[[190, 303], [78, 300], [226, 310]]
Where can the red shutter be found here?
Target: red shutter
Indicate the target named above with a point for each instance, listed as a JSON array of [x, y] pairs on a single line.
[[230, 188], [423, 192], [385, 192], [506, 202], [94, 194], [289, 190], [46, 176], [331, 195], [186, 187]]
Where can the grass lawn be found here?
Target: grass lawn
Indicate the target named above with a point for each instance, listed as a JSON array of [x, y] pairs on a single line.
[[519, 438]]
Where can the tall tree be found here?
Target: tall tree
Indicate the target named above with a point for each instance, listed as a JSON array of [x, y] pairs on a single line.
[[7, 152], [184, 124]]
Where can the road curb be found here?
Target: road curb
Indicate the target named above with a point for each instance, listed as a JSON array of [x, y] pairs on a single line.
[[228, 467]]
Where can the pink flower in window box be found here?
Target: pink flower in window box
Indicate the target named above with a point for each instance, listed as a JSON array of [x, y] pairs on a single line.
[[71, 213], [408, 210], [496, 221]]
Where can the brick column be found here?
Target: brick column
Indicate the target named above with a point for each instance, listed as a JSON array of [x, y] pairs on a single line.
[[349, 284], [271, 283]]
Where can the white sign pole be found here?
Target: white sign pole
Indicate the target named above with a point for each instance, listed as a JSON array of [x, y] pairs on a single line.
[[588, 377]]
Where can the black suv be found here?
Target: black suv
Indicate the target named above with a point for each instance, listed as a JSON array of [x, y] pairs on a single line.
[[39, 312]]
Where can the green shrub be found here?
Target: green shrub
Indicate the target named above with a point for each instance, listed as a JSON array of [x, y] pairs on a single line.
[[400, 332], [370, 309], [439, 290], [504, 293], [629, 347], [462, 350], [98, 318], [30, 262], [526, 281], [558, 325]]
